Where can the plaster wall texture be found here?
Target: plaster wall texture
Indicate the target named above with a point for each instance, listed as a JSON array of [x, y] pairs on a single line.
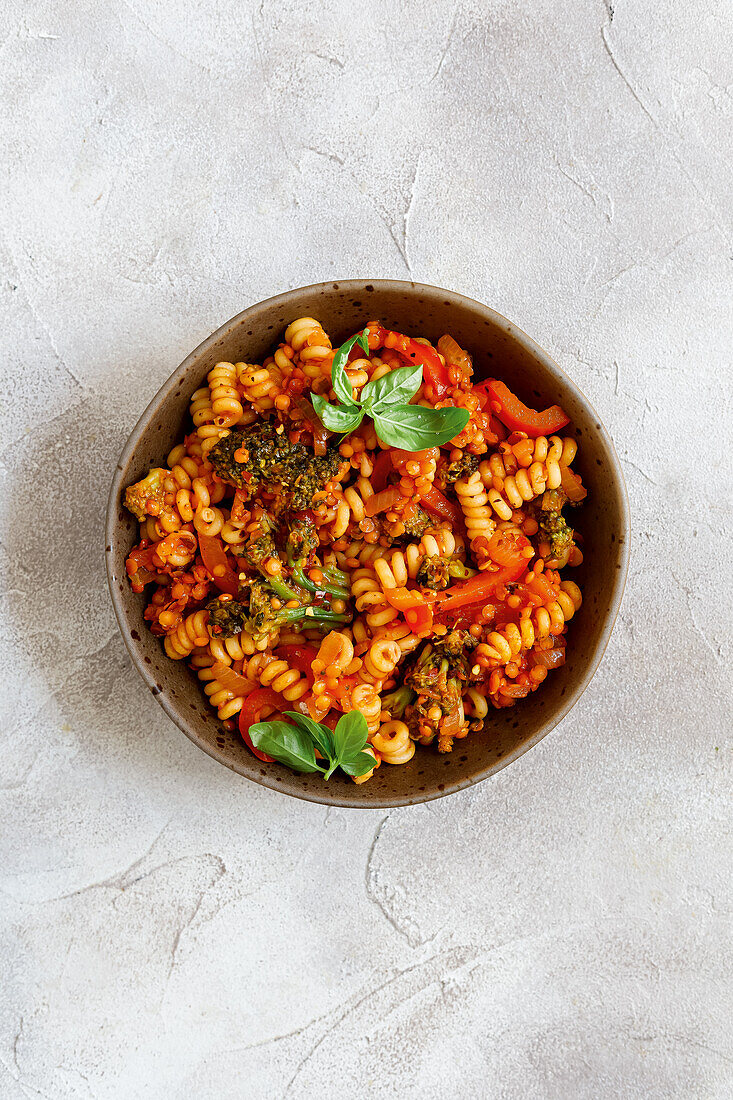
[[169, 930]]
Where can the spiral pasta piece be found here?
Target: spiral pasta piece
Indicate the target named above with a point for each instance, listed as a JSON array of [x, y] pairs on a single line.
[[200, 408], [381, 660], [239, 647], [350, 508], [474, 505], [366, 589], [335, 655], [401, 633], [366, 700], [313, 347], [359, 553], [260, 386], [551, 619], [227, 703], [441, 543], [393, 743], [278, 675], [193, 632], [225, 403]]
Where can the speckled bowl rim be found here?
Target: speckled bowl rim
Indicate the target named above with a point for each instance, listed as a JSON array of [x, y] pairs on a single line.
[[617, 582]]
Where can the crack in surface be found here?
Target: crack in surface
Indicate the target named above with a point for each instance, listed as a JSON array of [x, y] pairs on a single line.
[[622, 74], [356, 1005], [449, 39], [717, 654], [329, 58], [164, 41], [411, 934], [219, 873], [117, 881]]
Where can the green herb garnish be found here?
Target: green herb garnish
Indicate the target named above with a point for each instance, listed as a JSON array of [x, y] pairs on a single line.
[[295, 745], [387, 402]]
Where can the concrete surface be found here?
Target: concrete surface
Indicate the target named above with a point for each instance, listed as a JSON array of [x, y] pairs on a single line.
[[169, 930]]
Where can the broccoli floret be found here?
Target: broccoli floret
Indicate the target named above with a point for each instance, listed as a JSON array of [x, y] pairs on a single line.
[[270, 461], [557, 530], [416, 521], [149, 490], [302, 542], [267, 610], [434, 573], [437, 572], [261, 544], [466, 465], [227, 617], [438, 677], [553, 523]]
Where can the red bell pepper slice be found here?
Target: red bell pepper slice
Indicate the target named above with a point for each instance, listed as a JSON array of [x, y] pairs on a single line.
[[479, 589], [382, 470], [419, 618], [481, 389], [435, 373], [216, 561], [252, 707], [517, 416], [438, 505], [300, 657]]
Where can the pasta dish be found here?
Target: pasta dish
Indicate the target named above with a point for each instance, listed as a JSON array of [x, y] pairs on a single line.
[[360, 550]]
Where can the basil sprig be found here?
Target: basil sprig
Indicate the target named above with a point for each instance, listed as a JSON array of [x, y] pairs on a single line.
[[387, 402], [295, 745]]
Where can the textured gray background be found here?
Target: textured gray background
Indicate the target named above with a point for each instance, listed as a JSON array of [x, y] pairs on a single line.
[[169, 930]]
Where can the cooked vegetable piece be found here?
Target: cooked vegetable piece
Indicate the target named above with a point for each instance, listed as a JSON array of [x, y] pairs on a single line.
[[227, 616], [261, 457], [438, 678], [148, 491]]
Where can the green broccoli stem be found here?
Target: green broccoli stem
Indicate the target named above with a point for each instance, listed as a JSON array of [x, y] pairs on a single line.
[[314, 614], [305, 582], [336, 575], [284, 591]]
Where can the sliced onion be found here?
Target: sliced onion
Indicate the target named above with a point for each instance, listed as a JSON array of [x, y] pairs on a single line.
[[231, 680], [572, 485], [549, 658]]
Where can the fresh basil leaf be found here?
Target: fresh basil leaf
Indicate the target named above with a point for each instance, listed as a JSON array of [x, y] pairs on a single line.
[[319, 733], [349, 738], [350, 735], [414, 428], [339, 381], [395, 388], [359, 764], [337, 418], [287, 744]]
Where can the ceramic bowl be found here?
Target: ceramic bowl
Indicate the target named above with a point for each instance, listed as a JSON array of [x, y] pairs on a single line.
[[498, 348]]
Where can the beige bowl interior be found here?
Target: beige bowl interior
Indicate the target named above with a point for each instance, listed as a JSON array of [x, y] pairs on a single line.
[[498, 348]]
